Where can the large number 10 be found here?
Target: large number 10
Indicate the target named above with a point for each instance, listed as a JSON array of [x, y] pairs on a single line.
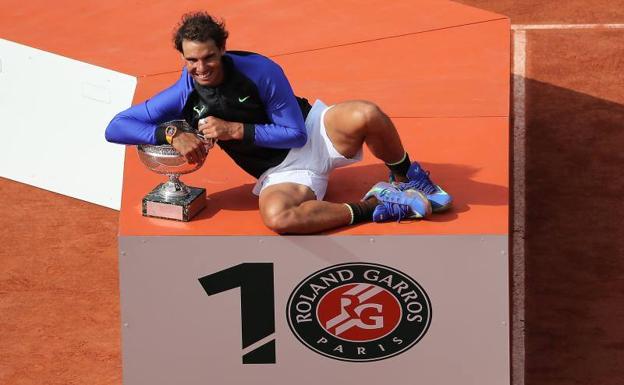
[[257, 305]]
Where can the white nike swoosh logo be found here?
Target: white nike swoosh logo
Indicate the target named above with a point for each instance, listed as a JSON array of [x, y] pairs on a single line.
[[243, 99]]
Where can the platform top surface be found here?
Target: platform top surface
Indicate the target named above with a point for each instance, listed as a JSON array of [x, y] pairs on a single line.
[[126, 39], [135, 37], [472, 166], [464, 144]]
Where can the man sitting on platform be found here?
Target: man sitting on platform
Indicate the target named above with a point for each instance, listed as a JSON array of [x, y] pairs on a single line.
[[245, 101]]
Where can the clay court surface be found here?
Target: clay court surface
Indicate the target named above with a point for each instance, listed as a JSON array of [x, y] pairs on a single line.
[[59, 296]]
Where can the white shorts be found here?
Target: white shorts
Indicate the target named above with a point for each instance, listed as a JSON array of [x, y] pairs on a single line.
[[311, 164]]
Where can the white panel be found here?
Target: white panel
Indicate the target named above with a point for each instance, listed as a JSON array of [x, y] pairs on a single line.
[[175, 333], [54, 111]]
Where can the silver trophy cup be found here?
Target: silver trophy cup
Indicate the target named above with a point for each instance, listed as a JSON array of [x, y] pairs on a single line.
[[172, 199]]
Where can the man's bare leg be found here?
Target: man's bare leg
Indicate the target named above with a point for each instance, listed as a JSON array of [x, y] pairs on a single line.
[[350, 124], [293, 208]]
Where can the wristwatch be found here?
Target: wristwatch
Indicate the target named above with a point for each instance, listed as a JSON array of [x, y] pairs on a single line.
[[170, 132]]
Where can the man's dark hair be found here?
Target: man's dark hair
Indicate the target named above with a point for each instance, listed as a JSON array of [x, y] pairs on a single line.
[[200, 26]]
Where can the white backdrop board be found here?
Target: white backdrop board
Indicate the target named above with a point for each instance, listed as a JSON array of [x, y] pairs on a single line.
[[54, 111], [267, 310]]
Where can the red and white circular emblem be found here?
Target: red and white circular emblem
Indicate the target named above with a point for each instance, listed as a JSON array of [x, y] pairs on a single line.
[[359, 312]]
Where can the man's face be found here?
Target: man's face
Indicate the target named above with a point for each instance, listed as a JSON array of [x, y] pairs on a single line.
[[203, 61]]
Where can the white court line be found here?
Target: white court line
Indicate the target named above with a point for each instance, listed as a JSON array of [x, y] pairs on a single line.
[[519, 191], [525, 27]]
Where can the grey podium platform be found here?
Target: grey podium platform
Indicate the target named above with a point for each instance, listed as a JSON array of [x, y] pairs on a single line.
[[222, 300]]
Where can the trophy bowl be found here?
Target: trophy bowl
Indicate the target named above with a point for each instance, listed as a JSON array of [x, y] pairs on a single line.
[[165, 159], [172, 199]]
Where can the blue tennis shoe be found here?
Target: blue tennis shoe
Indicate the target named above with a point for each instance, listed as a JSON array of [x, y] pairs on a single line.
[[395, 204], [418, 180]]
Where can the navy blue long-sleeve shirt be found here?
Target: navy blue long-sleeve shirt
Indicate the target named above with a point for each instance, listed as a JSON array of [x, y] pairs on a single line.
[[254, 91]]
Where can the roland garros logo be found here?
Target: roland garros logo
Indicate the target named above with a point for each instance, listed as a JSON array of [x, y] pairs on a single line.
[[359, 312]]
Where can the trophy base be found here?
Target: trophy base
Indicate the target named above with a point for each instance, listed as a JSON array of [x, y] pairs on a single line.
[[179, 209]]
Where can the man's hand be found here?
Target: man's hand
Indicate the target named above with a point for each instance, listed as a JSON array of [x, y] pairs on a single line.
[[215, 128], [190, 146]]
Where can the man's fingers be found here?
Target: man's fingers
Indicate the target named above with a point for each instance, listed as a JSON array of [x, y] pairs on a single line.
[[195, 155], [202, 147], [209, 132], [191, 147], [199, 155]]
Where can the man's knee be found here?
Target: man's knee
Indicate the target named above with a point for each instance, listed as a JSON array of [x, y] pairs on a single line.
[[365, 114], [281, 222], [280, 206]]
